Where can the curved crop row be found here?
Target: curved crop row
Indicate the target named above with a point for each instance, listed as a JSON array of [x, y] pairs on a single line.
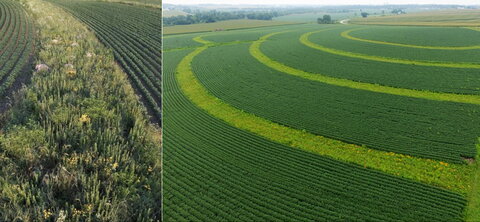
[[424, 128], [305, 40], [364, 41], [261, 57], [346, 34], [213, 171], [286, 49], [135, 38], [16, 43]]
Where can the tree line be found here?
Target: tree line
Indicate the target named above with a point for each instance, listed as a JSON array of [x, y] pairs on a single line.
[[215, 16]]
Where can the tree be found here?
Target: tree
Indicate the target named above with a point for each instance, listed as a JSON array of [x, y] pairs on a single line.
[[326, 19], [364, 14]]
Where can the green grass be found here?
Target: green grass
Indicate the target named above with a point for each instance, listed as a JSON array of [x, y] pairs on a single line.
[[468, 17], [220, 26], [473, 207], [77, 145]]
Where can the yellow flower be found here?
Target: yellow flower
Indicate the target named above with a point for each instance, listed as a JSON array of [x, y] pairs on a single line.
[[114, 165], [84, 119], [147, 187], [47, 214], [71, 73], [88, 207]]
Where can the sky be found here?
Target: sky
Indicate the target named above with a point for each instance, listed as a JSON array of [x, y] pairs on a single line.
[[322, 2]]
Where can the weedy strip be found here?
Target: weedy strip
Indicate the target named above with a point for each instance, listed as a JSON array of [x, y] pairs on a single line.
[[77, 145]]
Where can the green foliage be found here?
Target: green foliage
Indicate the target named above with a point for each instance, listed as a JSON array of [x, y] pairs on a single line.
[[78, 145], [136, 42], [473, 207], [403, 76], [16, 43], [252, 179], [326, 19]]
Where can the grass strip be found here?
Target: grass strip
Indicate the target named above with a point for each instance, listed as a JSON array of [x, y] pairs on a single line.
[[450, 97], [455, 177], [346, 34], [304, 39], [473, 205]]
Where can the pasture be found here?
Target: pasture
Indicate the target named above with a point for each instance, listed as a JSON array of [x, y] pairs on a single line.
[[288, 104]]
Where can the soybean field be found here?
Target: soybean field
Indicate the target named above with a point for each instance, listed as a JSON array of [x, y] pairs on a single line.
[[322, 122], [134, 35], [17, 44]]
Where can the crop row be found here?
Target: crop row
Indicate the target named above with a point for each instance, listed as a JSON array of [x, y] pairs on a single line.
[[135, 40], [214, 171], [333, 39], [461, 54], [287, 49], [425, 128], [16, 43], [348, 34]]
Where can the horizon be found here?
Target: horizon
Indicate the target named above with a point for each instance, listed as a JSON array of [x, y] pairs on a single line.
[[316, 3]]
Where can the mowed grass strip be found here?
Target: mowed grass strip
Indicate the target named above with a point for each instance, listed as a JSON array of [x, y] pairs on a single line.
[[260, 56], [304, 39], [346, 34], [455, 177]]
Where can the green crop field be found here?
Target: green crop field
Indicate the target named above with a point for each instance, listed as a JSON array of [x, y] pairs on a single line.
[[221, 26], [16, 46], [135, 38], [461, 17], [267, 123]]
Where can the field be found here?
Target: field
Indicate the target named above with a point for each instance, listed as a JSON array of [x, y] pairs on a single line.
[[136, 41], [220, 26], [16, 48], [272, 121], [464, 17], [170, 13], [77, 145], [312, 17]]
